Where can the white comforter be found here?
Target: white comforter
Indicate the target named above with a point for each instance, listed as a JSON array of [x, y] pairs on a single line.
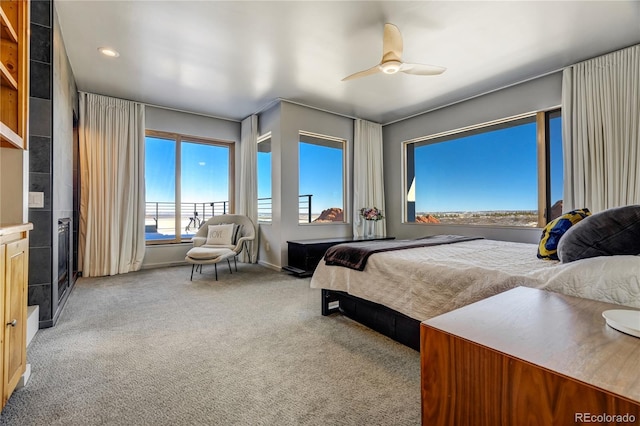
[[428, 281]]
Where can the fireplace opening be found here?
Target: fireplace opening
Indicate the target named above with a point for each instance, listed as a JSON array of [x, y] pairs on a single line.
[[64, 258]]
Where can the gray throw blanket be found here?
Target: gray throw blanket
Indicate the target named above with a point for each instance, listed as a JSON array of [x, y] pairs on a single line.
[[355, 255]]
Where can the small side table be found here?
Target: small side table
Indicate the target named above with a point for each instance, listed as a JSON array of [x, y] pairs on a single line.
[[304, 255]]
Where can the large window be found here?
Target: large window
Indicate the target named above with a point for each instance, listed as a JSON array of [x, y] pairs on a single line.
[[321, 178], [187, 180], [265, 201], [501, 174]]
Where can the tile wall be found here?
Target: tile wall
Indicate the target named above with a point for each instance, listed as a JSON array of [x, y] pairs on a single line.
[[41, 160]]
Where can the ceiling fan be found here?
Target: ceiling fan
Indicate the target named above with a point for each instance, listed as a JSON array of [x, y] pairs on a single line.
[[391, 62]]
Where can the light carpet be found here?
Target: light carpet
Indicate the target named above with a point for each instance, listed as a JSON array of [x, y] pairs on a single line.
[[153, 348]]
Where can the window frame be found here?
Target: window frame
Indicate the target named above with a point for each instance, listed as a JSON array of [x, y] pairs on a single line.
[[179, 138], [344, 144], [546, 138], [541, 119]]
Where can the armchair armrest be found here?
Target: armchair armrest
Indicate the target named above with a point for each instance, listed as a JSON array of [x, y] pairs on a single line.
[[241, 242], [198, 241]]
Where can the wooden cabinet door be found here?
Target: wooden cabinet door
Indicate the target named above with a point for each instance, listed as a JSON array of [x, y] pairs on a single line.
[[15, 307], [3, 251]]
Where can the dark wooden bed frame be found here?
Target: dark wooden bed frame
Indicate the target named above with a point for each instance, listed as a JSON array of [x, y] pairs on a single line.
[[380, 318]]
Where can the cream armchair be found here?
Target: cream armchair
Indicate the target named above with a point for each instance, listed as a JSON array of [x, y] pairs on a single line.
[[207, 249]]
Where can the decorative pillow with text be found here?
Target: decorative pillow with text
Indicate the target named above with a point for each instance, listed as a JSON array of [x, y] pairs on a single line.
[[220, 235]]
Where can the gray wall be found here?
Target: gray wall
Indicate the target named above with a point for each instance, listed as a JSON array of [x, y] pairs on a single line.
[[65, 103], [270, 233], [535, 95], [285, 121], [167, 120], [193, 125]]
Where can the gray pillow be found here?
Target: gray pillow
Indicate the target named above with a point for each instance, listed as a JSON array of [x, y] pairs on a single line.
[[611, 232]]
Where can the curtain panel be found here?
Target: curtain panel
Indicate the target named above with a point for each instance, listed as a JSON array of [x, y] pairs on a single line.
[[112, 192], [248, 194], [368, 178], [601, 131]]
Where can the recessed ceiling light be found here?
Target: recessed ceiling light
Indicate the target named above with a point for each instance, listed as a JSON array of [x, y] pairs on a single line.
[[107, 51]]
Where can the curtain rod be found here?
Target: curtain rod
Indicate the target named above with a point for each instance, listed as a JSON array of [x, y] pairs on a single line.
[[167, 108], [603, 54]]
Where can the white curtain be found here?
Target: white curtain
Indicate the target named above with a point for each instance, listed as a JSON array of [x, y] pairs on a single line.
[[601, 131], [368, 178], [111, 185], [248, 194]]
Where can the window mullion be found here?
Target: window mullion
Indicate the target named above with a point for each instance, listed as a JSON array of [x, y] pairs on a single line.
[[543, 172], [178, 199]]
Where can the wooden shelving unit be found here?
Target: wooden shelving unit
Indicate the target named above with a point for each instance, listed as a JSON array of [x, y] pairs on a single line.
[[14, 232], [14, 113], [14, 73]]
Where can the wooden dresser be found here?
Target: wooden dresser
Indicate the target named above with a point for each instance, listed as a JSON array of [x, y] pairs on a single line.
[[528, 357]]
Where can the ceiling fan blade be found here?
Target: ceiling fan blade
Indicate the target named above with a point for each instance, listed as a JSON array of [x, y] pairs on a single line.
[[372, 70], [391, 44], [421, 69]]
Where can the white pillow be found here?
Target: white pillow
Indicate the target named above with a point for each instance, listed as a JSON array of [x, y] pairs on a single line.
[[220, 235], [236, 232]]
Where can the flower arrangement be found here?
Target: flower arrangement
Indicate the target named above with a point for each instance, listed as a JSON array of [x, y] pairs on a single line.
[[371, 213]]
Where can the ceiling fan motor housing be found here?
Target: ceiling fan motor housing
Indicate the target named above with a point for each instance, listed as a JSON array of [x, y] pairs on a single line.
[[390, 67]]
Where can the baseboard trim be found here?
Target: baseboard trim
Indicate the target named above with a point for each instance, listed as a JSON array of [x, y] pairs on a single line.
[[46, 323], [33, 316], [170, 264], [24, 378], [163, 265], [269, 265]]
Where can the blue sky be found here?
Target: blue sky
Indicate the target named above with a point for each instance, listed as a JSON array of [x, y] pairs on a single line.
[[160, 160], [205, 171], [320, 174], [320, 171], [488, 171], [264, 174], [556, 163]]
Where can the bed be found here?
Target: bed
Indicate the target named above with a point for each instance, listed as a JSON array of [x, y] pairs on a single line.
[[398, 289]]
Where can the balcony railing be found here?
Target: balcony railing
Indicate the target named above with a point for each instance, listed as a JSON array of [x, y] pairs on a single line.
[[264, 210], [160, 223], [304, 208]]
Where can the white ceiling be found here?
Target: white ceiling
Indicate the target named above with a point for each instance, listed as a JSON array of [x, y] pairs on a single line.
[[232, 59]]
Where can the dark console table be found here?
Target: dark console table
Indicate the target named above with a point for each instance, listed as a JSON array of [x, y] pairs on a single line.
[[304, 255]]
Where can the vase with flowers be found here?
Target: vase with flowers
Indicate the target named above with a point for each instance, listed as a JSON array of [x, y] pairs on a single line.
[[370, 215]]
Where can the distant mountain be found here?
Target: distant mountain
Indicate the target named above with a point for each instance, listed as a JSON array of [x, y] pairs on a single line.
[[427, 219], [332, 214]]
